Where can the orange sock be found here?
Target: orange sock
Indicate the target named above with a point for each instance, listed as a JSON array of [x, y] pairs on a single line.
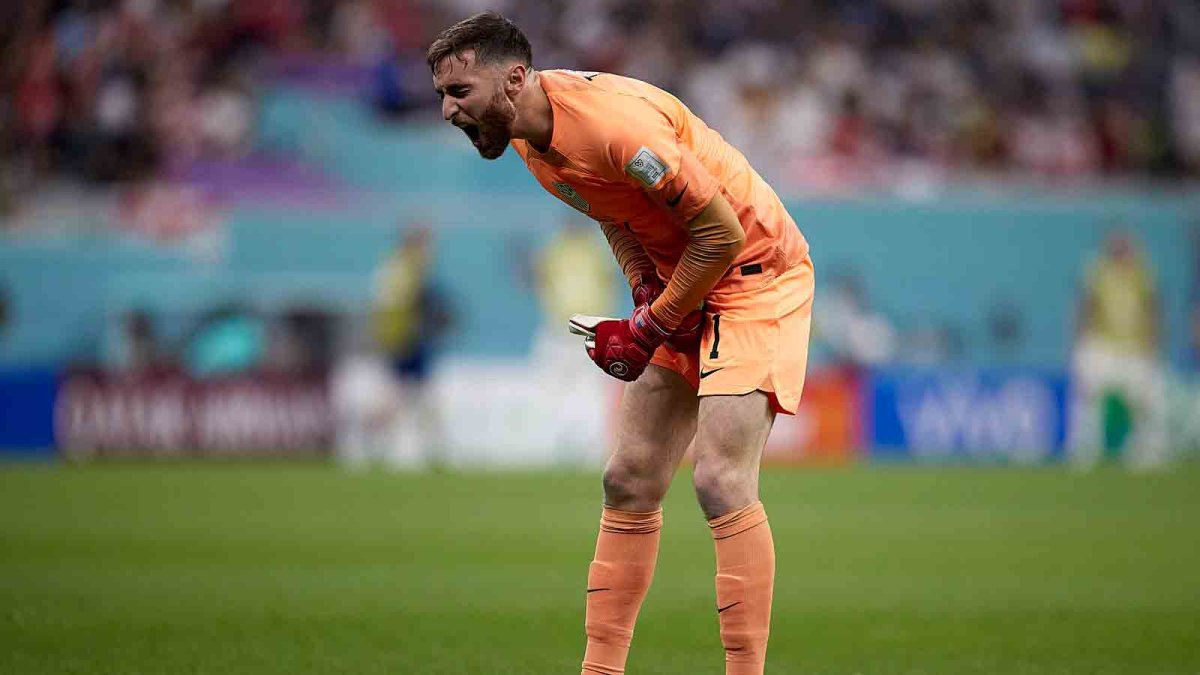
[[745, 581], [618, 579]]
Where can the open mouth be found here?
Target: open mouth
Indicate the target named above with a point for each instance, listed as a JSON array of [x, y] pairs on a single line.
[[472, 132]]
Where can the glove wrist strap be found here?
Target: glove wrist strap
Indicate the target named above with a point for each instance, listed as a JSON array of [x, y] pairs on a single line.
[[647, 329]]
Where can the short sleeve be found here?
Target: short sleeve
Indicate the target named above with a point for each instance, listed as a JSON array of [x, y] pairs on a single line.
[[643, 150]]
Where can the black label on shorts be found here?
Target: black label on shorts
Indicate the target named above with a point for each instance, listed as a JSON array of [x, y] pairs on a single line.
[[747, 270]]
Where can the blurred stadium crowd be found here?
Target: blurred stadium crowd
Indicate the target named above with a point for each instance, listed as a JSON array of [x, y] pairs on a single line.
[[820, 94], [138, 119], [839, 91]]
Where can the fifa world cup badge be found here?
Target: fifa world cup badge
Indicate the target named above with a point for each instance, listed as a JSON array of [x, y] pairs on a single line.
[[646, 167]]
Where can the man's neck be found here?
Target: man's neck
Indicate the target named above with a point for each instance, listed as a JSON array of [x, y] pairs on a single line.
[[535, 117]]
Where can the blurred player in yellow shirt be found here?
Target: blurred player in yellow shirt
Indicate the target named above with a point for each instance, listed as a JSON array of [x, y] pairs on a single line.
[[717, 343], [574, 270], [1116, 356], [386, 410], [399, 284]]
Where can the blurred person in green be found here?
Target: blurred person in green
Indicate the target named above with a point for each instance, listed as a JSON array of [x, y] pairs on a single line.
[[1118, 404], [572, 273], [408, 319]]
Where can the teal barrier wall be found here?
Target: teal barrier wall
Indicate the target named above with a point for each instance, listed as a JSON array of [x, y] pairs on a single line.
[[943, 261], [930, 263], [953, 260]]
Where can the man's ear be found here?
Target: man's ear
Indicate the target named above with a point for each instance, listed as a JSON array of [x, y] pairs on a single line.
[[517, 78]]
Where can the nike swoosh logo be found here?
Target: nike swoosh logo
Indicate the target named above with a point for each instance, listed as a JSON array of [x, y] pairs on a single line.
[[675, 202], [593, 590], [722, 609], [704, 374]]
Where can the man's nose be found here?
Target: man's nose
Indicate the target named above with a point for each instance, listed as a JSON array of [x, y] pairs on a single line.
[[449, 108]]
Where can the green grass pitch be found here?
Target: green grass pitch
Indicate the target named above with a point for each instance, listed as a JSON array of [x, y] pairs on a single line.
[[276, 568]]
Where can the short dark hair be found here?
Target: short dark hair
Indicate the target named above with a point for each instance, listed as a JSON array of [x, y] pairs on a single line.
[[493, 37]]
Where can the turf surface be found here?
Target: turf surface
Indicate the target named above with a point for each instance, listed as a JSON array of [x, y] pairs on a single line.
[[303, 569]]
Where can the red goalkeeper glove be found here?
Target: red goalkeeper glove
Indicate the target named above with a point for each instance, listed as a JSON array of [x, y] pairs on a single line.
[[685, 338], [621, 347], [646, 289]]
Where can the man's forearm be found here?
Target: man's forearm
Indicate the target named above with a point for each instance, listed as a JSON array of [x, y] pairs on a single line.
[[716, 239], [629, 253]]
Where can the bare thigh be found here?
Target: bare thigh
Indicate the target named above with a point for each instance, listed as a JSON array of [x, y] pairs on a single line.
[[654, 428], [730, 435]]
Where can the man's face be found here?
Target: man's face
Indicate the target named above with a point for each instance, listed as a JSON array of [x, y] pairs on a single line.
[[474, 100]]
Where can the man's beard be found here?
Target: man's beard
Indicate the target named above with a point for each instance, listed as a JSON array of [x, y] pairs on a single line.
[[495, 126]]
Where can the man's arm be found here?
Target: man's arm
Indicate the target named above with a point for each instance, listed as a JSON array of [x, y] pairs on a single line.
[[716, 238], [623, 347], [639, 146], [635, 264]]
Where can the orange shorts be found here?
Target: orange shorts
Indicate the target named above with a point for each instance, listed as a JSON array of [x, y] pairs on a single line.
[[754, 340]]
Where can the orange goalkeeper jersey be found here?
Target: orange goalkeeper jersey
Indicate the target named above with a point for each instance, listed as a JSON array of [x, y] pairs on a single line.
[[626, 152]]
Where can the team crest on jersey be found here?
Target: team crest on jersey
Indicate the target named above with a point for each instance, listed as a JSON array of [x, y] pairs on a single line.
[[646, 167], [572, 197]]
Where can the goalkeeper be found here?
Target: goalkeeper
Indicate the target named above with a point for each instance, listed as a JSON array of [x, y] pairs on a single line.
[[691, 224]]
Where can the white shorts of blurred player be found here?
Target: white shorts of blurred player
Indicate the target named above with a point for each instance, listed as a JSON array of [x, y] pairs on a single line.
[[576, 398], [1099, 371], [379, 419], [1183, 416]]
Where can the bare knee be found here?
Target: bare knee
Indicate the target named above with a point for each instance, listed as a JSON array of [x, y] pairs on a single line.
[[634, 486], [723, 486]]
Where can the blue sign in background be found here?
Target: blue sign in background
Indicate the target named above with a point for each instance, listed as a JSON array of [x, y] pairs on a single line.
[[27, 409], [1005, 415]]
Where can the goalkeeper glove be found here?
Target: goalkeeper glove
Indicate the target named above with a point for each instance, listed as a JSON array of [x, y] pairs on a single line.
[[685, 338], [621, 347], [646, 289]]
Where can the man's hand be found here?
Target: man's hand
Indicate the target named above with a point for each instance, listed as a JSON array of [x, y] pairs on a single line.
[[621, 347], [685, 338], [647, 288]]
